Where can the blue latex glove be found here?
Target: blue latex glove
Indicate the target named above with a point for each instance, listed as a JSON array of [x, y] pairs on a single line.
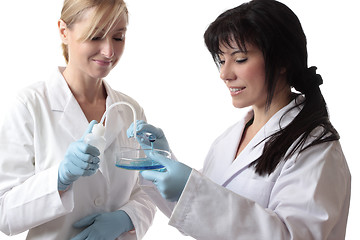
[[80, 159], [103, 226], [141, 128], [170, 183]]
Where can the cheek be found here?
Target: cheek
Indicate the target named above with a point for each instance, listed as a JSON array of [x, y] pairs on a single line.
[[79, 50], [256, 72], [119, 49]]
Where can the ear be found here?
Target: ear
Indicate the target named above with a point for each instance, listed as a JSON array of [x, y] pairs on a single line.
[[63, 30]]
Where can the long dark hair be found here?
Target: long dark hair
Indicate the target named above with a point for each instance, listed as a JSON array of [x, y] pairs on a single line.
[[277, 32]]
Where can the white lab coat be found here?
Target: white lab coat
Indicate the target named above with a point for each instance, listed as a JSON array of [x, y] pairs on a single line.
[[306, 197], [34, 137]]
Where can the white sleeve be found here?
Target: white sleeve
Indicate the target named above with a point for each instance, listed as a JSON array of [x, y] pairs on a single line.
[[310, 200], [150, 189], [25, 193], [141, 211]]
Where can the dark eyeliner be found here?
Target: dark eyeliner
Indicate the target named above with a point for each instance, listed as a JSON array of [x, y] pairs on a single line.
[[241, 60]]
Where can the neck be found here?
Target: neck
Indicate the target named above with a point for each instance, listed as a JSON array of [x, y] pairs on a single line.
[[262, 114], [85, 89]]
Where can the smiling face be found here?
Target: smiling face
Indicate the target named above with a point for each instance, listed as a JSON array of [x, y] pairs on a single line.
[[96, 57], [244, 75]]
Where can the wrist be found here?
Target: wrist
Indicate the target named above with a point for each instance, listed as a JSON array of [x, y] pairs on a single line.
[[62, 185], [125, 220]]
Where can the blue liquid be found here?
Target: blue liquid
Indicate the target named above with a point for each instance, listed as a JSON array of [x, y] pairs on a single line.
[[153, 167], [139, 164]]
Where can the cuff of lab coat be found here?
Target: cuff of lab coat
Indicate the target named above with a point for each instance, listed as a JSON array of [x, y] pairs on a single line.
[[183, 206], [150, 189], [41, 198]]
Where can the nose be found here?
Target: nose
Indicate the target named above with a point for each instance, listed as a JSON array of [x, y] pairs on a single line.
[[107, 48], [226, 72]]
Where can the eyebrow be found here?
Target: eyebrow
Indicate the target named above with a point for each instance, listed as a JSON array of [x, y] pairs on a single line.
[[121, 29], [237, 51], [118, 30], [234, 52]]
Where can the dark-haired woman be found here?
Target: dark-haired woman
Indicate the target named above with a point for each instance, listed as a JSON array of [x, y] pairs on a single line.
[[279, 173]]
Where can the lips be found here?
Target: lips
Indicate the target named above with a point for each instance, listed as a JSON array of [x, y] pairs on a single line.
[[236, 90], [103, 62]]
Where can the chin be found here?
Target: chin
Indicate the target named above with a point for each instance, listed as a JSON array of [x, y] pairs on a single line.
[[100, 74], [237, 104]]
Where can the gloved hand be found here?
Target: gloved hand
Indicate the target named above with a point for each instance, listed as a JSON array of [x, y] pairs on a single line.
[[81, 159], [103, 226], [170, 183], [141, 128]]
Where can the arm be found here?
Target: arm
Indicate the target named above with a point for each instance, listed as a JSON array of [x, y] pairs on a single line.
[[141, 211], [309, 199], [23, 194]]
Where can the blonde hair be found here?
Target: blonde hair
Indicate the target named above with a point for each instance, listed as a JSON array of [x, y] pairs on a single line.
[[105, 15]]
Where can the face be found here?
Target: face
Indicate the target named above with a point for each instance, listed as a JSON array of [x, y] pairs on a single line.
[[244, 75], [96, 57]]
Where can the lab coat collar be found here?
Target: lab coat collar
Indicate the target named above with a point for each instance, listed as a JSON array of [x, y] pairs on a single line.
[[61, 99], [59, 91], [73, 119], [255, 147]]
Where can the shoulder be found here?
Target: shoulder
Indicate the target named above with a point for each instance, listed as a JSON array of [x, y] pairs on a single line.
[[326, 155], [32, 92], [39, 91], [23, 107], [39, 95], [29, 97]]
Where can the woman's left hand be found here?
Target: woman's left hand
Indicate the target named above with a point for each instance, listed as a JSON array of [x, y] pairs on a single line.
[[106, 226], [171, 182]]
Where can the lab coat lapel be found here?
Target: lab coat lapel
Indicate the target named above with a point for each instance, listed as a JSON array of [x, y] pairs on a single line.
[[73, 119], [226, 149], [255, 147], [62, 100], [115, 118], [245, 158]]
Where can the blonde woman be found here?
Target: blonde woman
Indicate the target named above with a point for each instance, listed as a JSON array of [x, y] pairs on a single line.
[[51, 182]]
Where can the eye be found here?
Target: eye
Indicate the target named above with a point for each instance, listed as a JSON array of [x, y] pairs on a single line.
[[221, 62], [119, 37], [96, 38], [241, 60]]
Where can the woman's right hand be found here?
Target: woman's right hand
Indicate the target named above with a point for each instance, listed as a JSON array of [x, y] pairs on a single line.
[[141, 129], [81, 159]]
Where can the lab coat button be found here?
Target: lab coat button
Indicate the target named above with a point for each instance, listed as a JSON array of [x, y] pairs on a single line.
[[98, 201]]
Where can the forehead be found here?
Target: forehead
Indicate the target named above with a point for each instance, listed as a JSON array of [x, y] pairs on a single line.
[[90, 24], [89, 15], [232, 45], [119, 25]]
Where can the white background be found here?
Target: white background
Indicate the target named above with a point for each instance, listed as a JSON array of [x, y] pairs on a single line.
[[168, 70]]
